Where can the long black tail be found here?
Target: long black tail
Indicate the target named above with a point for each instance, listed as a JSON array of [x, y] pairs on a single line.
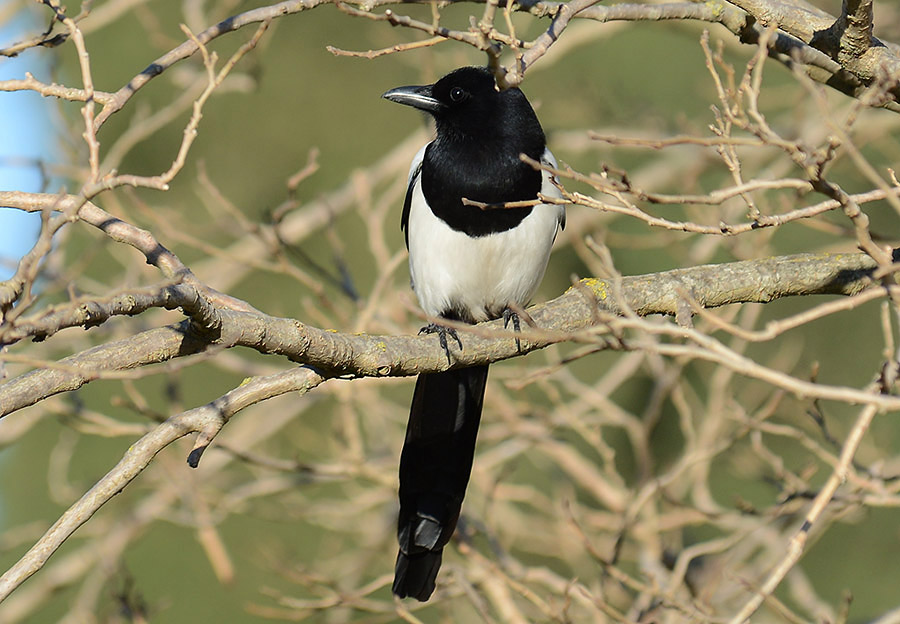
[[434, 471]]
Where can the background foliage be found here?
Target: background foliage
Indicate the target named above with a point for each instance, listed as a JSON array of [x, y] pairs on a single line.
[[610, 483]]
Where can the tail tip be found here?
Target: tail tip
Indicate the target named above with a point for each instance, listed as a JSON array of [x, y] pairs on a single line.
[[415, 575]]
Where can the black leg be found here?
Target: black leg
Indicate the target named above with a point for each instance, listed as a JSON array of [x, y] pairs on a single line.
[[441, 331], [509, 315]]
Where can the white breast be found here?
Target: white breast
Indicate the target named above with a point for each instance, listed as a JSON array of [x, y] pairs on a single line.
[[484, 275]]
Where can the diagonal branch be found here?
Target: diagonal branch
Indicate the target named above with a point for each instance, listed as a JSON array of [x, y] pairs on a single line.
[[564, 13], [192, 45], [204, 420], [847, 39], [826, 494], [122, 232]]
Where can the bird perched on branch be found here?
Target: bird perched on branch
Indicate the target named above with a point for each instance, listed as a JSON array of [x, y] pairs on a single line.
[[472, 258]]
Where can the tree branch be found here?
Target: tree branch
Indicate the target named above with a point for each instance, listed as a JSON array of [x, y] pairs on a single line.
[[205, 420], [847, 59], [192, 45], [752, 281], [122, 232], [847, 39], [91, 312]]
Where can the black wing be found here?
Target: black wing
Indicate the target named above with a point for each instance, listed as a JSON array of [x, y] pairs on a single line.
[[404, 218]]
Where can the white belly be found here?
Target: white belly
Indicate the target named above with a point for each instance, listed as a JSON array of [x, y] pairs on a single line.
[[478, 276]]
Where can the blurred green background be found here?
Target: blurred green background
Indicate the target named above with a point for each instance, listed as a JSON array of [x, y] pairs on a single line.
[[292, 96]]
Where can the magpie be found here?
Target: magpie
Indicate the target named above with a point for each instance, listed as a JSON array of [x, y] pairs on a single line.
[[468, 263]]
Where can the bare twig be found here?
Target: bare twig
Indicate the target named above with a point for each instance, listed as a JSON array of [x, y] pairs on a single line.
[[205, 420], [187, 49], [824, 497]]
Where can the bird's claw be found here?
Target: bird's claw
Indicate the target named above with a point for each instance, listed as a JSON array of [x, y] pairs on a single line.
[[510, 315], [442, 332]]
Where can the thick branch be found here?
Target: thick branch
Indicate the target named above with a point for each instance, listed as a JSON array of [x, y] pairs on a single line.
[[149, 347], [846, 39], [752, 281], [89, 313], [858, 17]]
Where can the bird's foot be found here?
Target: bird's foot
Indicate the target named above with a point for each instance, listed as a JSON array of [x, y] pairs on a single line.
[[442, 332], [511, 315]]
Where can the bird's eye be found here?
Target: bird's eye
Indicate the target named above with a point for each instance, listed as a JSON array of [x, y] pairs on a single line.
[[458, 94]]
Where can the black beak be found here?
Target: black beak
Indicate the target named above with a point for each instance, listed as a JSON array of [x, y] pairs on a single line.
[[417, 97]]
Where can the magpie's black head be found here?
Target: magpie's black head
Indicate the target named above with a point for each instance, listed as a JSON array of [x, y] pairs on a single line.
[[466, 103]]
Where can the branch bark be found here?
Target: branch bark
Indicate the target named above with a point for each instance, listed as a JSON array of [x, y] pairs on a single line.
[[559, 320], [847, 39]]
